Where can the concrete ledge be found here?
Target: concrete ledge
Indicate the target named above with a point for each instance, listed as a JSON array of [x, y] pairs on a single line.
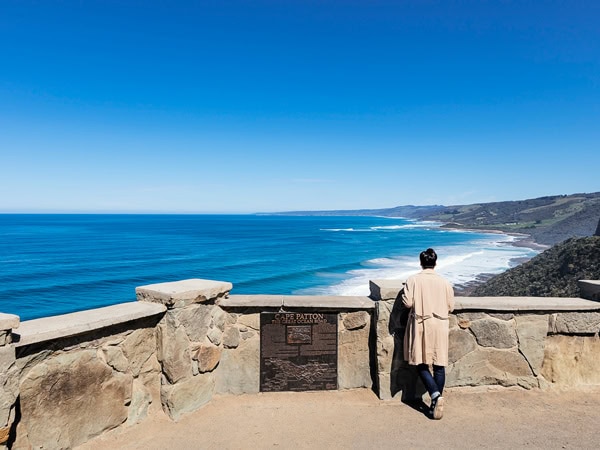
[[525, 304], [8, 321], [590, 289], [385, 289], [178, 294], [49, 328], [297, 301]]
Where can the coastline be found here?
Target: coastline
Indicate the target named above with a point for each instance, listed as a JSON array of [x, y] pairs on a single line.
[[522, 240]]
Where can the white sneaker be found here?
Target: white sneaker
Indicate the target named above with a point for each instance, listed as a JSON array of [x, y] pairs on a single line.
[[438, 408]]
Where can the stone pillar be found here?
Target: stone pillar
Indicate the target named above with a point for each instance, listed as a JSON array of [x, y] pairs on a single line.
[[9, 377], [189, 340], [589, 289], [394, 375]]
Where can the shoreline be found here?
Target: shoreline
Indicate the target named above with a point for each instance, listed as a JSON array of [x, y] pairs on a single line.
[[522, 240]]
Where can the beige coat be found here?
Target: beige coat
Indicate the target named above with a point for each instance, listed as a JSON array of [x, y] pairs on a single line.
[[430, 298]]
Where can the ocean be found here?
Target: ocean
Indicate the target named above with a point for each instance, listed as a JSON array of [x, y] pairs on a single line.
[[54, 264]]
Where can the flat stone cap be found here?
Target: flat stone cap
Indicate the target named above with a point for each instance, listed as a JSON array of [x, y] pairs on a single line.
[[8, 321], [590, 289], [525, 304], [385, 289], [177, 294], [65, 325], [298, 301]]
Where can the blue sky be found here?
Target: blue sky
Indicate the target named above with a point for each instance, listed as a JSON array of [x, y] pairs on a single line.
[[228, 106]]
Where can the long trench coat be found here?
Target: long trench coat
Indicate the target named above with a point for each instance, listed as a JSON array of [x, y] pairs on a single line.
[[430, 298]]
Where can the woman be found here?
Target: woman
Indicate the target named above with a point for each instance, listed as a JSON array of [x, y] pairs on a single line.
[[430, 298]]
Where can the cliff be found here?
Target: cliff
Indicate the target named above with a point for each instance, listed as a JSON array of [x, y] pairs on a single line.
[[553, 273]]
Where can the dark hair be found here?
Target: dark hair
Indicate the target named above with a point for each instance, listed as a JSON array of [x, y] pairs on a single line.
[[428, 258]]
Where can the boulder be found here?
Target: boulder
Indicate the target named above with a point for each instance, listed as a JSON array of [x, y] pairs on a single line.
[[354, 369], [532, 331], [72, 397], [572, 360], [238, 371], [494, 333], [231, 337], [141, 398], [355, 320], [489, 366], [196, 320], [460, 343], [208, 357], [138, 347], [577, 323], [188, 395], [173, 349]]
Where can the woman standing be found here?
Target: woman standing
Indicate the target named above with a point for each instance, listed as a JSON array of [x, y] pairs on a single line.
[[430, 298]]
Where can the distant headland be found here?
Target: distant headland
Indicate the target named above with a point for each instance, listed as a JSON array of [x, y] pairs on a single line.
[[547, 220]]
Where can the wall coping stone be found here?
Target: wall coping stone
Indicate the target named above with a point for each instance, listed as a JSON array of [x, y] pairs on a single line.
[[8, 321], [525, 304], [298, 301], [590, 289], [183, 292], [385, 289], [65, 325]]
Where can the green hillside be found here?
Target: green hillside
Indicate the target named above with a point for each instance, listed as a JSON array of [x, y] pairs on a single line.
[[553, 273], [548, 220]]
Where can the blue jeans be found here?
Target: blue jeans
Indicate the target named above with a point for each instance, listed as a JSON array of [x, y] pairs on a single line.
[[433, 383]]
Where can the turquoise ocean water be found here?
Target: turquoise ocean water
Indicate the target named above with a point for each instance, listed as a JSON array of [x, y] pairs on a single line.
[[55, 264]]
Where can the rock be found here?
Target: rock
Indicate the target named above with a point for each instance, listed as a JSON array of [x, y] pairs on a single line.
[[531, 332], [247, 334], [488, 366], [115, 358], [354, 370], [460, 343], [231, 337], [470, 316], [238, 371], [208, 357], [502, 316], [196, 320], [577, 322], [4, 433], [220, 318], [355, 320], [138, 347], [251, 321], [69, 398], [572, 360], [464, 323], [9, 384], [140, 403], [494, 333], [188, 395], [215, 335], [173, 350]]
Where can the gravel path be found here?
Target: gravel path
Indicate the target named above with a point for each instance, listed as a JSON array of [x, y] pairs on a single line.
[[474, 418]]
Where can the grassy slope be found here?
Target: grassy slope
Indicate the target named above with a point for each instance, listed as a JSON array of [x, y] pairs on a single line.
[[553, 273]]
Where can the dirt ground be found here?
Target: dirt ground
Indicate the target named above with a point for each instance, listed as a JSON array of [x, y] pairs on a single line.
[[473, 418]]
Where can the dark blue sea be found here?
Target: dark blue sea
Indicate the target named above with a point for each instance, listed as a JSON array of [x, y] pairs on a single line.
[[55, 264]]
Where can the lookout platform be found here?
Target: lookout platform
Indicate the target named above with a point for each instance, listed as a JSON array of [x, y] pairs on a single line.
[[474, 418]]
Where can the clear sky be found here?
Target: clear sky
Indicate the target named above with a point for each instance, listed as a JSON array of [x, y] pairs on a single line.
[[257, 106]]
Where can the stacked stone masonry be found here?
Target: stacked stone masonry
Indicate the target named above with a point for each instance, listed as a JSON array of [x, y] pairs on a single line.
[[67, 379], [527, 348]]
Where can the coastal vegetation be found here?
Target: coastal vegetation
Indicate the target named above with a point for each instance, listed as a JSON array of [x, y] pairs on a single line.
[[552, 273]]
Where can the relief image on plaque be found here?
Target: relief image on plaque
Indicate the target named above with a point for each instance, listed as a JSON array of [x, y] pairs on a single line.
[[298, 352]]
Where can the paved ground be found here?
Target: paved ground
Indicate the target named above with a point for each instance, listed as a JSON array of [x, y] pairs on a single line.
[[357, 419]]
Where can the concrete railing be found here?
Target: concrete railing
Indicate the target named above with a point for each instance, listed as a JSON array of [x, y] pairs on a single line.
[[69, 378]]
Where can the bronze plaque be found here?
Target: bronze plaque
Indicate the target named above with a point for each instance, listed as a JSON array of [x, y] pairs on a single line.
[[298, 352]]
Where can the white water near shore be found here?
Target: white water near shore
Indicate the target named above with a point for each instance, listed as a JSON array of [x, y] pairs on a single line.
[[490, 254]]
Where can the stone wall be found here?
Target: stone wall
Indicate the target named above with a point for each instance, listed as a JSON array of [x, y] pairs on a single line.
[[75, 387], [9, 377], [66, 379], [502, 341]]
